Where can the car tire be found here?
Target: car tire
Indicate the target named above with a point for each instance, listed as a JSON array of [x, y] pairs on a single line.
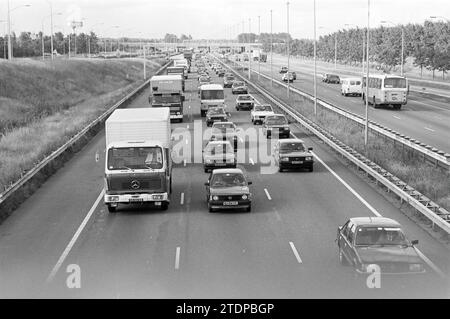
[[164, 206], [249, 208], [342, 259], [112, 209], [206, 170], [311, 169], [210, 209], [280, 169]]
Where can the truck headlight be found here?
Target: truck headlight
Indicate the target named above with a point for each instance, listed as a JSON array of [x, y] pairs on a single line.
[[215, 197], [244, 197], [415, 267], [285, 159]]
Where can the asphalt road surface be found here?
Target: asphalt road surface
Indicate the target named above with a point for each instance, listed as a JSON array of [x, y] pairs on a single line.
[[284, 248], [424, 119]]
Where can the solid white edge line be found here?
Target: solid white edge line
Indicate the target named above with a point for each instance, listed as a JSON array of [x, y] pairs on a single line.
[[74, 238], [182, 199], [177, 258], [294, 250], [267, 194], [376, 213]]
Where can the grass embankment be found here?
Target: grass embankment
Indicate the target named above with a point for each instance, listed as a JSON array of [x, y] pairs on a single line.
[[42, 105], [433, 182]]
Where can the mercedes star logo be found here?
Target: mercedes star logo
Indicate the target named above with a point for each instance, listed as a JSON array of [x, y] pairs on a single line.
[[135, 184]]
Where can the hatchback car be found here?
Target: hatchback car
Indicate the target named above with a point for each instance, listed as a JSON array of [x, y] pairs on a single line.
[[239, 87], [284, 69], [228, 189], [288, 76], [245, 101], [225, 131], [331, 78], [218, 154], [216, 114], [292, 154], [276, 125], [366, 241], [228, 81], [259, 113]]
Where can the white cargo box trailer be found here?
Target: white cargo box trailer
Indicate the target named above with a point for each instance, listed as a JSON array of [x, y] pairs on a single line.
[[138, 125]]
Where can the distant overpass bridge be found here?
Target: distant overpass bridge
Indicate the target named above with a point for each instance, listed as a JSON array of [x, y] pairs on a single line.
[[207, 45]]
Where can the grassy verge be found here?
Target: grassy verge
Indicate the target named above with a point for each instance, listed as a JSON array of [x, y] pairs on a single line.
[[433, 182], [41, 119]]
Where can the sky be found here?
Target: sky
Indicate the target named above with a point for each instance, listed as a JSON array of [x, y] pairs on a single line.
[[212, 19]]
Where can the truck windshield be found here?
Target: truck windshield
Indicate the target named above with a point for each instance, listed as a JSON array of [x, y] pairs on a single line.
[[178, 70], [135, 158], [395, 83], [166, 99], [212, 95]]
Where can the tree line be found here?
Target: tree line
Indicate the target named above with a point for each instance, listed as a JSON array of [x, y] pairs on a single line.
[[428, 44]]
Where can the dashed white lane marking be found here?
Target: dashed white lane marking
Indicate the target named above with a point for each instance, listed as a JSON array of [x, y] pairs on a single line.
[[251, 161], [177, 258], [267, 194], [182, 199], [429, 129], [296, 254], [74, 238], [277, 215], [396, 117]]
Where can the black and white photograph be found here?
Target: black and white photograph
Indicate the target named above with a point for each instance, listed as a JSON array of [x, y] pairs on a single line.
[[231, 152]]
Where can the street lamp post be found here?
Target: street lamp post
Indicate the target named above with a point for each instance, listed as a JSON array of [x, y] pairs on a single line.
[[315, 65], [271, 51], [259, 42], [403, 45], [288, 53], [10, 54], [366, 130], [249, 50], [51, 28]]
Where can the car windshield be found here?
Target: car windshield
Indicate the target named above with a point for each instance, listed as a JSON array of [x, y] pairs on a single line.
[[265, 107], [212, 95], [292, 147], [135, 158], [333, 77], [230, 78], [245, 97], [395, 83], [216, 111], [238, 83], [228, 180], [218, 148], [223, 126], [276, 120], [384, 236]]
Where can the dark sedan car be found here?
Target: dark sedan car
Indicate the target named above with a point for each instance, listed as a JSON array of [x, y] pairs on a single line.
[[216, 114], [292, 154], [228, 189], [331, 78], [366, 241]]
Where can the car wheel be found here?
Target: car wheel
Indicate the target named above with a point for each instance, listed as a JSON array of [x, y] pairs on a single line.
[[249, 208], [311, 169], [280, 169], [342, 259], [210, 209], [206, 170], [164, 205], [374, 103], [112, 209]]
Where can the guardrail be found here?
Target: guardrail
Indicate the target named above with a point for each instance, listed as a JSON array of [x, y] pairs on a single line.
[[433, 154], [8, 193], [437, 215]]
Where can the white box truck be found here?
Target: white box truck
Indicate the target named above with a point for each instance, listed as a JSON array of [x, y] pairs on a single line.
[[138, 166], [185, 64], [167, 91]]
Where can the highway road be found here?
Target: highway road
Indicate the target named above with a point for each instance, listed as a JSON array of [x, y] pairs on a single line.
[[424, 119], [284, 248]]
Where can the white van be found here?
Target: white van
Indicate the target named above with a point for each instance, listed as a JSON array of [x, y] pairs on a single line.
[[351, 86]]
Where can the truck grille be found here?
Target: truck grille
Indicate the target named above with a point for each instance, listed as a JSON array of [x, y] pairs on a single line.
[[134, 184]]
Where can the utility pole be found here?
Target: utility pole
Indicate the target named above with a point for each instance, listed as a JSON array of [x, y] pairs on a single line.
[[366, 131], [260, 50], [249, 50], [288, 53], [9, 33], [315, 65], [271, 51]]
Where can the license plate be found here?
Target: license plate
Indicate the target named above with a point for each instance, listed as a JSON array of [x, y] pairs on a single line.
[[134, 200], [230, 203], [297, 162]]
